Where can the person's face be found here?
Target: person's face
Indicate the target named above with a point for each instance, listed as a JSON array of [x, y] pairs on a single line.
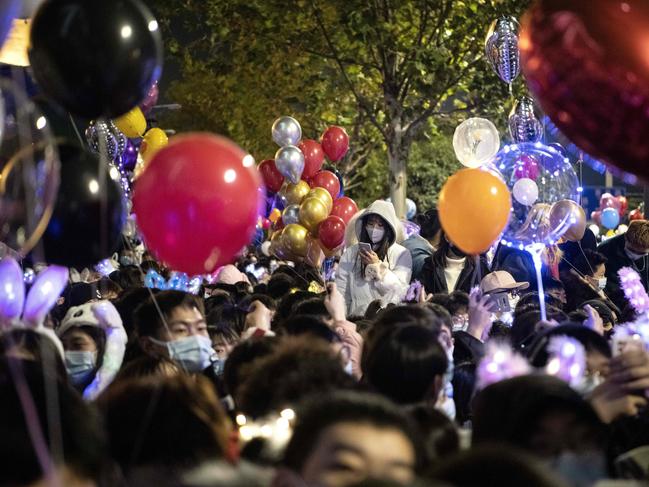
[[184, 322], [221, 347], [446, 338], [75, 340], [460, 319], [374, 221], [347, 453]]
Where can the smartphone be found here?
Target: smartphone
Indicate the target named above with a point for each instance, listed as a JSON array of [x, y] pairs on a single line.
[[364, 246], [501, 301]]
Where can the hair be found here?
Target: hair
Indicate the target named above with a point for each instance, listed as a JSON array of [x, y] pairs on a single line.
[[175, 422], [128, 303], [383, 246], [224, 332], [287, 304], [404, 364], [31, 346], [429, 224], [607, 314], [309, 325], [128, 277], [217, 299], [267, 301], [105, 286], [237, 366], [280, 285], [439, 434], [320, 412], [524, 326], [442, 313], [586, 263], [638, 234], [464, 380], [146, 366], [590, 339], [148, 321], [313, 307], [298, 366], [231, 316]]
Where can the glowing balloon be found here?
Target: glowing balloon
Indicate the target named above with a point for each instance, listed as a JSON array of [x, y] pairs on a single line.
[[476, 142], [12, 296], [576, 216], [525, 191]]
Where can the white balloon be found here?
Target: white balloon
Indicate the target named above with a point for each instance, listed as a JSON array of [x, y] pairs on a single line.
[[621, 229], [265, 248], [476, 142], [525, 191], [595, 229], [286, 131]]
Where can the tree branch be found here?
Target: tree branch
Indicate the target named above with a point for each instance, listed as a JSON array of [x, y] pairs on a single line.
[[348, 61]]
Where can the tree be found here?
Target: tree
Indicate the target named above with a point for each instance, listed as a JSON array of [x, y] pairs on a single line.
[[386, 69]]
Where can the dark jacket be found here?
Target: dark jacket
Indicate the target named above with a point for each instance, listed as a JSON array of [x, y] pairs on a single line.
[[614, 251], [573, 251], [433, 279], [520, 265], [420, 249]]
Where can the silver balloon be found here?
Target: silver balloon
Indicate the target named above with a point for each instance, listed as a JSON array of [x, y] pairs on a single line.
[[524, 124], [120, 138], [291, 214], [286, 131], [99, 137], [290, 163], [501, 48]]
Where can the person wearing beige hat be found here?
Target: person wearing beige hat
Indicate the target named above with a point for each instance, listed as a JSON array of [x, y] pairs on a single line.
[[504, 292]]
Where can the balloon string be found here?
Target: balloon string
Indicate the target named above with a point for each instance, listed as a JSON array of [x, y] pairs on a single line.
[[536, 250], [76, 131]]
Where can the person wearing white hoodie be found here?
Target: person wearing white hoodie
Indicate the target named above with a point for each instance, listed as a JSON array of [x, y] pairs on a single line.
[[380, 270]]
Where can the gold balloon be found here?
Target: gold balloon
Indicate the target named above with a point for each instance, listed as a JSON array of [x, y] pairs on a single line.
[[314, 254], [295, 193], [569, 213], [312, 212], [324, 196], [294, 239], [132, 124]]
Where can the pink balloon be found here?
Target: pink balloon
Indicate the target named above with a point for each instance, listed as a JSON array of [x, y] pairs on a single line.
[[527, 167]]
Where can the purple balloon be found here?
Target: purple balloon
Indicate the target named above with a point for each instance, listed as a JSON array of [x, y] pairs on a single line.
[[129, 156], [151, 98]]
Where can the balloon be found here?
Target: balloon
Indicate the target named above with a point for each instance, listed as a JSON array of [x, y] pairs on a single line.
[[86, 224], [576, 216], [272, 178], [312, 212], [132, 124], [129, 157], [525, 191], [636, 214], [323, 195], [12, 296], [596, 48], [313, 157], [411, 209], [501, 48], [197, 203], [289, 161], [286, 131], [596, 216], [621, 229], [294, 239], [594, 229], [345, 208], [314, 254], [328, 181], [100, 139], [335, 143], [623, 205], [95, 58], [154, 140], [275, 215], [295, 193], [555, 180], [150, 99], [331, 232], [474, 207], [291, 214], [9, 10], [524, 125], [610, 218], [476, 142]]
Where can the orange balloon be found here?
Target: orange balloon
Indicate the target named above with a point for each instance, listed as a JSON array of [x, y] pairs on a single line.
[[275, 215], [474, 207]]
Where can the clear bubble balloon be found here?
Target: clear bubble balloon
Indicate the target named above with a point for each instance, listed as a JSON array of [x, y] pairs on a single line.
[[289, 161], [286, 131], [476, 142], [538, 176]]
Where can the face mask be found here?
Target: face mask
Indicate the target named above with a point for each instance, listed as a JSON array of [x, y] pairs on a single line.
[[193, 353], [583, 468], [601, 282], [348, 368], [513, 301], [632, 255], [376, 234], [218, 365], [126, 260], [80, 366]]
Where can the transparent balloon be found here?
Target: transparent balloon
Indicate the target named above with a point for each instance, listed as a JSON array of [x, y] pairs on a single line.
[[538, 176], [476, 142], [29, 177]]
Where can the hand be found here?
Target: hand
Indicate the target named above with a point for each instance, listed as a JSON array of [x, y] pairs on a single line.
[[610, 402], [259, 316], [480, 310], [594, 320], [335, 302], [630, 370], [369, 257], [423, 296]]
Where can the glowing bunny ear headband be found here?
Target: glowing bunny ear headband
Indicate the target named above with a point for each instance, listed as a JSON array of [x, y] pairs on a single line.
[[179, 281]]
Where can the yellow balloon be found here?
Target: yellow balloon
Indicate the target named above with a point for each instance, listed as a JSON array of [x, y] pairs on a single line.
[[132, 124], [295, 193], [154, 140], [324, 196], [312, 212], [294, 239]]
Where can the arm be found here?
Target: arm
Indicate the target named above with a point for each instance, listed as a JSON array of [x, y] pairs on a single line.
[[397, 278], [345, 268]]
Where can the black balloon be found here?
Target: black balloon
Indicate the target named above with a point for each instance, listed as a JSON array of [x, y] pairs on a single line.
[[87, 220], [95, 57]]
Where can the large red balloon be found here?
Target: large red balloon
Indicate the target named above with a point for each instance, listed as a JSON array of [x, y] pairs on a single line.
[[197, 203], [586, 61], [273, 179], [335, 143], [331, 232], [345, 208], [313, 157], [328, 181]]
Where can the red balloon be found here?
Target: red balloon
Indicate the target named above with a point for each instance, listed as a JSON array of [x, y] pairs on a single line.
[[331, 232], [624, 204], [328, 181], [335, 143], [197, 203], [607, 200], [636, 215], [345, 208], [313, 157], [596, 216], [586, 62], [273, 179]]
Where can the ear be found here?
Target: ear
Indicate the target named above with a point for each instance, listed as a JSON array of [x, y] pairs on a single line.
[[43, 295], [12, 297], [150, 348]]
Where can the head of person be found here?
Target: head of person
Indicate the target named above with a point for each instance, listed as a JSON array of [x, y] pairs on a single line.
[[610, 317], [377, 226], [146, 366], [238, 365], [592, 265], [314, 307], [525, 326], [344, 437], [503, 290], [84, 342], [172, 324], [438, 432], [224, 339], [32, 346], [464, 381], [430, 226], [636, 239]]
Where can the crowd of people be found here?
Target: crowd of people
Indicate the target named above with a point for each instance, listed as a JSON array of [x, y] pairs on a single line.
[[273, 375]]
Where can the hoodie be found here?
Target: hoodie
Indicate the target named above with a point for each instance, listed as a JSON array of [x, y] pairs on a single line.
[[392, 286]]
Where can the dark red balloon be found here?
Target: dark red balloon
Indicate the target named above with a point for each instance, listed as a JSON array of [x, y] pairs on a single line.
[[198, 202], [596, 216], [313, 157], [271, 176], [335, 143], [328, 181], [345, 208], [331, 232], [586, 62], [624, 205], [636, 214]]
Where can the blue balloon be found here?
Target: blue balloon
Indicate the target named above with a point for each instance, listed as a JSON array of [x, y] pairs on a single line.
[[610, 218], [411, 209]]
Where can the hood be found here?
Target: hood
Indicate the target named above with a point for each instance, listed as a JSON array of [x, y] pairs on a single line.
[[385, 210]]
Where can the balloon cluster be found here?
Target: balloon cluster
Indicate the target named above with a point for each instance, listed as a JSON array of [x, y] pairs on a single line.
[[612, 209], [315, 214]]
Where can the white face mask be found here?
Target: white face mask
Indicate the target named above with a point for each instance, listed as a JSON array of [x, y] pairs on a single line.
[[632, 255], [376, 233], [601, 282]]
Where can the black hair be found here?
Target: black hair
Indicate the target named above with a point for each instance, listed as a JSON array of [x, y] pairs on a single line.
[[303, 324], [590, 339], [442, 313], [128, 302], [464, 380], [227, 333], [128, 277], [32, 346], [241, 357], [229, 315], [313, 306], [524, 325], [280, 285], [286, 305], [148, 321], [429, 224], [217, 299], [438, 432], [267, 301], [587, 263]]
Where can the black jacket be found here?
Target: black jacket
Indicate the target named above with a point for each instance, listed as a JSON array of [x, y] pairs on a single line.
[[572, 251], [520, 265], [434, 281]]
